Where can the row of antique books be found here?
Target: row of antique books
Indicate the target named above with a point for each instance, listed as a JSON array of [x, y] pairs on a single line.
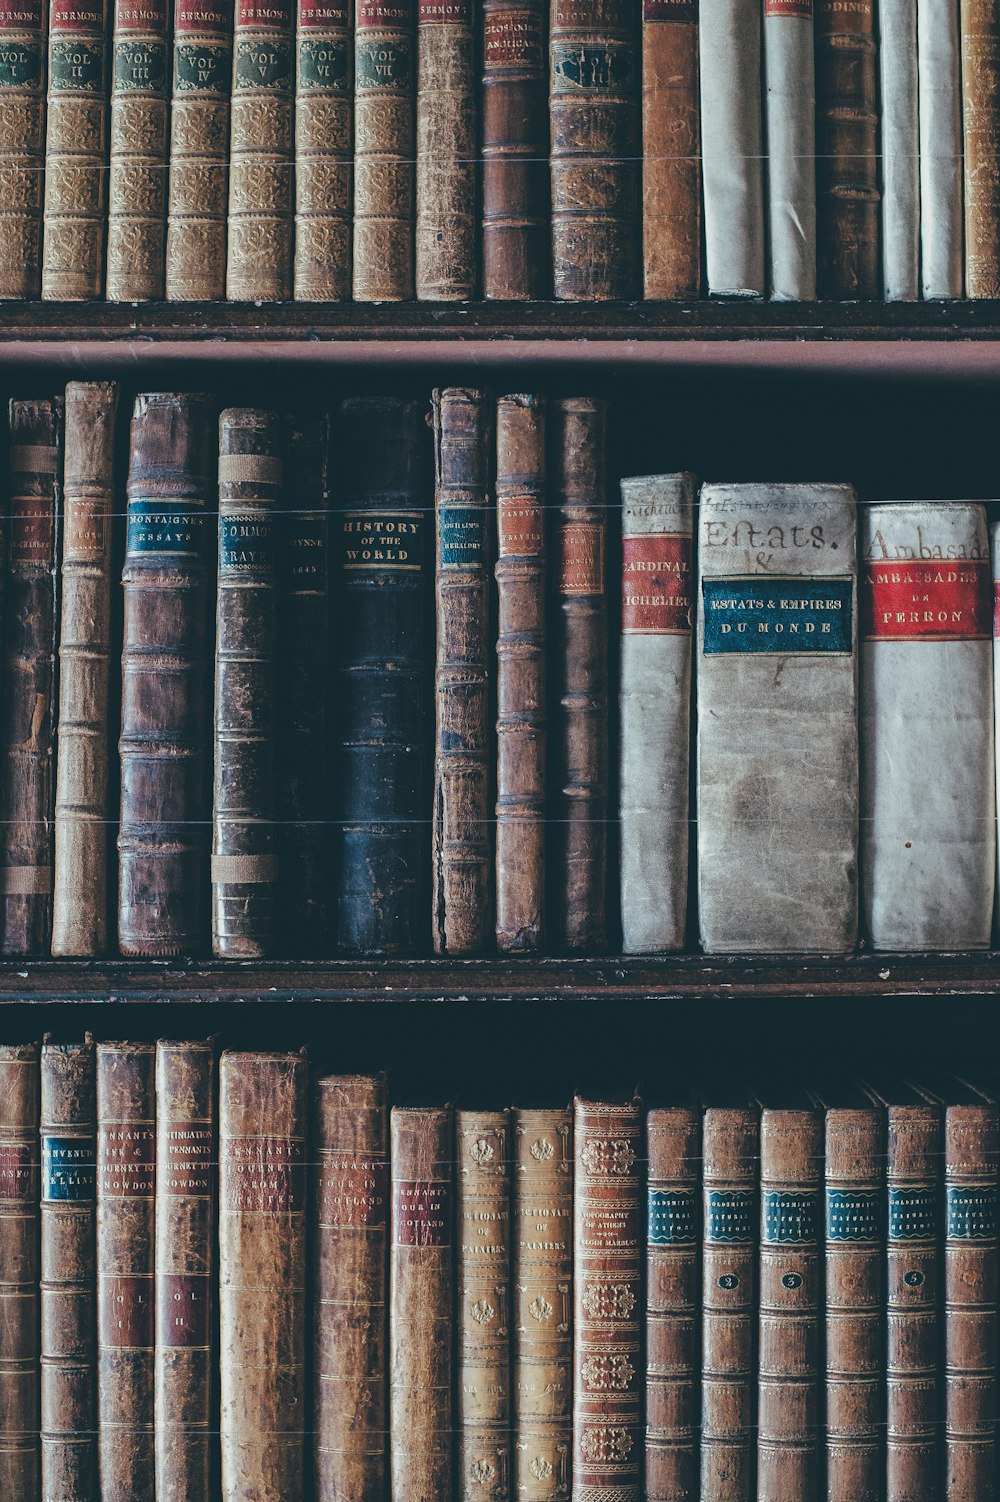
[[326, 151], [784, 1297]]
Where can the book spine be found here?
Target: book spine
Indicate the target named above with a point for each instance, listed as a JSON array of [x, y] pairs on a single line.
[[730, 1149], [855, 1255], [732, 146], [22, 146], [126, 1167], [261, 153], [31, 626], [263, 1108], [420, 1311], [578, 430], [162, 844], [199, 150], [928, 852], [137, 190], [68, 1261], [521, 738], [244, 865], [186, 1190], [671, 148], [594, 124], [912, 1339], [304, 655], [655, 689], [939, 69], [20, 1473], [897, 21], [847, 151], [75, 151], [384, 589], [790, 125], [971, 1145], [461, 834], [516, 247], [384, 146], [446, 221], [324, 150], [673, 1249], [542, 1283], [80, 887], [607, 1301], [350, 1289], [980, 32]]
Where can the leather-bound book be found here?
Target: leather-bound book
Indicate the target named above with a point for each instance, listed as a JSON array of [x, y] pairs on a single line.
[[31, 628], [847, 151], [184, 1289], [68, 1292], [516, 242], [263, 1110], [324, 150], [463, 429], [980, 28], [482, 1382], [261, 153], [20, 1470], [790, 137], [673, 1256], [303, 791], [594, 157], [422, 1151], [199, 151], [578, 870], [729, 34], [76, 127], [140, 139], [900, 150], [385, 83], [542, 1304], [162, 842], [607, 1300], [126, 1168], [80, 888], [447, 121], [939, 62], [671, 148], [350, 1286], [22, 148], [521, 740], [385, 518], [244, 864]]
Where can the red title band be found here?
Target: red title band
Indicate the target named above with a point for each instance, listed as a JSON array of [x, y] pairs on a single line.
[[926, 601], [656, 584]]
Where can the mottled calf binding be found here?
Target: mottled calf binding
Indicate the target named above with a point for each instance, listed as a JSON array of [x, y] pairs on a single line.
[[446, 219], [23, 25], [980, 31], [385, 84], [324, 156], [199, 150], [76, 147], [482, 1148], [516, 244], [671, 150], [847, 150], [137, 192], [20, 1473], [261, 153]]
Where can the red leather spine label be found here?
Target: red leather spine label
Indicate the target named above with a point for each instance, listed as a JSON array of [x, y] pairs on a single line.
[[581, 559], [519, 525], [199, 15], [354, 1192], [17, 1178], [669, 10], [262, 14], [146, 15], [264, 1174], [324, 14], [127, 1313], [126, 1160], [513, 39], [421, 1213], [456, 11], [801, 8], [82, 19], [188, 1168], [30, 529], [656, 584], [183, 1310], [383, 15], [921, 601], [21, 15]]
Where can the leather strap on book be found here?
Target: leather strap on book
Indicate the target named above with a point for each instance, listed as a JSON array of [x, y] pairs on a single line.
[[33, 459], [249, 469], [247, 869], [26, 881]]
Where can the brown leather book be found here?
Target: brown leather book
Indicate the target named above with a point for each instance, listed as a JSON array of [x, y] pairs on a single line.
[[199, 150], [607, 1300], [126, 1167], [350, 1286], [521, 743], [446, 151], [68, 1293], [855, 1256], [461, 838], [671, 150], [482, 1147], [847, 161], [594, 116], [244, 865], [137, 191], [324, 150], [186, 1198], [673, 1138], [578, 871], [542, 1304], [730, 1154], [80, 886], [76, 145], [263, 1109], [22, 147], [980, 25], [261, 153], [20, 1472], [385, 67], [162, 842], [517, 247], [29, 677], [420, 1311]]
